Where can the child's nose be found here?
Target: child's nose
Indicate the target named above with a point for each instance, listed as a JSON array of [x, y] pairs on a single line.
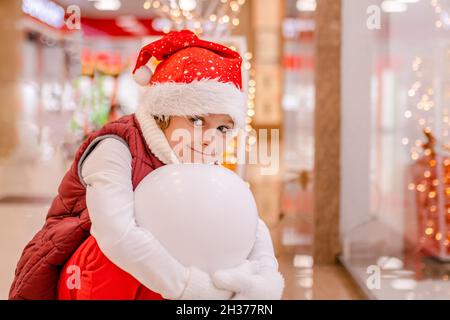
[[208, 138], [206, 142]]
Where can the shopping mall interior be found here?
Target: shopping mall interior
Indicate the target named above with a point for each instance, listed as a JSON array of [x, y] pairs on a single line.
[[357, 91]]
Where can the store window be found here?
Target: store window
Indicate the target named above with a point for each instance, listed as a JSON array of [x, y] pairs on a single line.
[[395, 217]]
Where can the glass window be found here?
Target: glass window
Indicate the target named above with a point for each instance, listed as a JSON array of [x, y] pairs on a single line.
[[395, 210]]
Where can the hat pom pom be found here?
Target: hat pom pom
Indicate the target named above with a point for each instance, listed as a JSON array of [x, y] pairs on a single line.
[[142, 75]]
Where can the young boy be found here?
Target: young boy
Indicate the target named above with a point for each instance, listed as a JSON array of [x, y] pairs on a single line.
[[196, 85]]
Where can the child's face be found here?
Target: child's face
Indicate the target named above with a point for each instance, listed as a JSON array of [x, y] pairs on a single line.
[[199, 139]]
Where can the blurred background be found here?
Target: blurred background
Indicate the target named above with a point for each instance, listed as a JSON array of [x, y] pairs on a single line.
[[359, 91]]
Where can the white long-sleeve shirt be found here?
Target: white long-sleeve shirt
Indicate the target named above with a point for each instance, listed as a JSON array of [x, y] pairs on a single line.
[[110, 200]]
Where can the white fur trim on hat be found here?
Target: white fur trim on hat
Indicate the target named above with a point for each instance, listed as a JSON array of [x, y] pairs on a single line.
[[200, 97], [155, 138]]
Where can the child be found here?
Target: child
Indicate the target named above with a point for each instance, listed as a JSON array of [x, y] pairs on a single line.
[[197, 85]]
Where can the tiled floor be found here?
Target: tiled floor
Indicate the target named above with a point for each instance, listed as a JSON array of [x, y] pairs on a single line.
[[19, 223]]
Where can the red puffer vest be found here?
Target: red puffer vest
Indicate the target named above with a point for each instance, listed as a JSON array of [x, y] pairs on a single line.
[[67, 223]]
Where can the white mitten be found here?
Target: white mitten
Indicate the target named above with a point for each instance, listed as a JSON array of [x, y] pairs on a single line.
[[249, 282], [201, 287]]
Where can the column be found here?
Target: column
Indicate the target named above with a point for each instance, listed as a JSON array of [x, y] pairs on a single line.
[[10, 34], [327, 124]]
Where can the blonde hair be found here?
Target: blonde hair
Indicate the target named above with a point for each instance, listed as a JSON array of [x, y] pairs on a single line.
[[162, 121]]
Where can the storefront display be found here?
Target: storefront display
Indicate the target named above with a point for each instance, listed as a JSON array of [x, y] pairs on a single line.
[[395, 215]]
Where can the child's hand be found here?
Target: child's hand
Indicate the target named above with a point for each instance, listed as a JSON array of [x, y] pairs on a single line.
[[249, 282], [201, 287]]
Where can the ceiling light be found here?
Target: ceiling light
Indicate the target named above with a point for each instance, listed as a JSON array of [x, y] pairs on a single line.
[[107, 5], [187, 5], [46, 11], [306, 5]]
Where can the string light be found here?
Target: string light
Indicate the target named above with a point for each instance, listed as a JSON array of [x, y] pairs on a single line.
[[251, 95], [442, 15], [408, 114], [147, 5], [420, 188]]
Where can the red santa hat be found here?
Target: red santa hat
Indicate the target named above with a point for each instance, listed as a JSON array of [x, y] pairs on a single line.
[[193, 78]]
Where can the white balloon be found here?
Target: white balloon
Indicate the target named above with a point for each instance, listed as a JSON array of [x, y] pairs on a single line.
[[204, 215]]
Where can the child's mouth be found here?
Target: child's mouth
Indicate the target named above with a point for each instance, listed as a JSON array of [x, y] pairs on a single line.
[[205, 154]]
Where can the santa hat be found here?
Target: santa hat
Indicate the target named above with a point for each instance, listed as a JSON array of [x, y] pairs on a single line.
[[193, 78]]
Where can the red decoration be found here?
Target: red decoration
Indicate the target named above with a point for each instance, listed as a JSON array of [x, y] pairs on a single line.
[[431, 174]]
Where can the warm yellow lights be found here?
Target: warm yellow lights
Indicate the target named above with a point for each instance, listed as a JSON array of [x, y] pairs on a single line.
[[420, 188], [147, 5], [216, 18], [408, 114], [441, 16]]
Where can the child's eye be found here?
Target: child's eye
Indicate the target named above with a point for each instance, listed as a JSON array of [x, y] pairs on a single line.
[[223, 129], [198, 122]]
